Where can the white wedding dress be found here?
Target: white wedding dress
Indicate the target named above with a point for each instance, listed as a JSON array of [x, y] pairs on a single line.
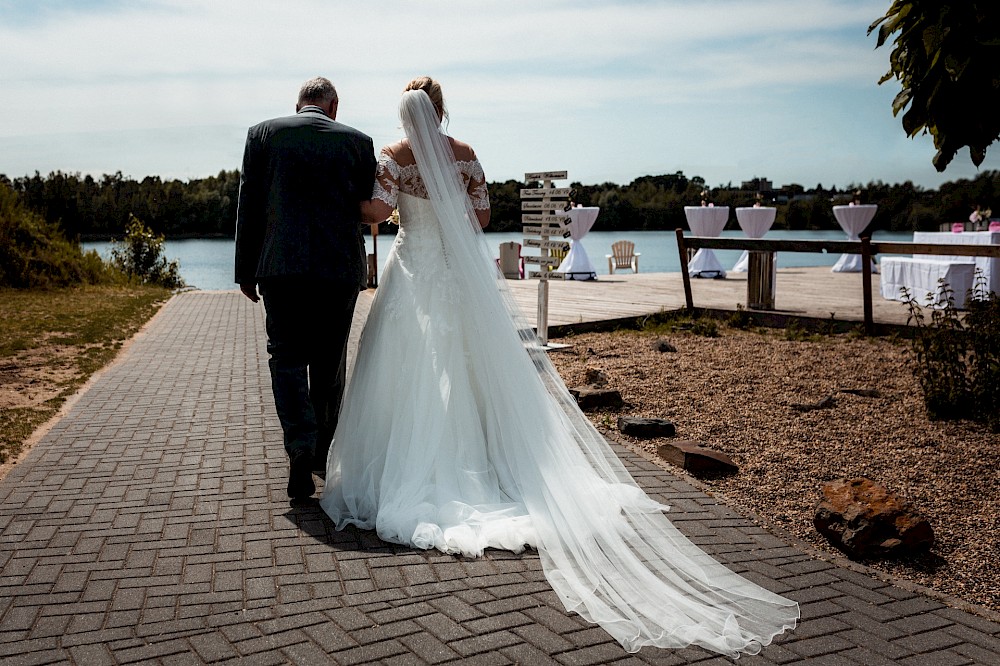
[[456, 433]]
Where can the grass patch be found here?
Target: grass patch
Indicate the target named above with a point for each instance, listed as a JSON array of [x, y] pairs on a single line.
[[667, 323], [52, 341]]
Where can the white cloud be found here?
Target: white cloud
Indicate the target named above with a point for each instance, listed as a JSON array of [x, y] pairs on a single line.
[[610, 90]]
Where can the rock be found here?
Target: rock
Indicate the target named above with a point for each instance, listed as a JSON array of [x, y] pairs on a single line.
[[592, 397], [638, 427], [696, 458], [863, 392], [595, 377], [826, 403], [662, 345], [866, 520]]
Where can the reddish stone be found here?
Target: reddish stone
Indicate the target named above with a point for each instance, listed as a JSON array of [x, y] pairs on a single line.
[[593, 397], [697, 458], [866, 520]]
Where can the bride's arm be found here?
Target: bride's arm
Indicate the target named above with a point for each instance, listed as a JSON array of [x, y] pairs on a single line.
[[479, 196], [384, 192]]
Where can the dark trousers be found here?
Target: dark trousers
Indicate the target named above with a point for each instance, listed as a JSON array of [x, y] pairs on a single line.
[[308, 323]]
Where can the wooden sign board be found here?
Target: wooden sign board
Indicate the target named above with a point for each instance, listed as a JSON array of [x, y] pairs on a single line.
[[546, 244], [545, 175], [539, 192], [542, 218], [545, 231], [541, 204], [543, 261], [544, 205]]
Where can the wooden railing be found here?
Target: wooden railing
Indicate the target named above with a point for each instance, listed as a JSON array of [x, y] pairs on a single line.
[[865, 247]]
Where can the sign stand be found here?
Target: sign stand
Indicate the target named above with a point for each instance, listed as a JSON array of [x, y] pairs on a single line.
[[540, 208]]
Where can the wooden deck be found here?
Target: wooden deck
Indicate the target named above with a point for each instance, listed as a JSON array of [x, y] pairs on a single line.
[[813, 292]]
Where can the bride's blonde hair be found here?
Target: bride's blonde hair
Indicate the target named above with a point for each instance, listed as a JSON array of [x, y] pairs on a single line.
[[433, 90]]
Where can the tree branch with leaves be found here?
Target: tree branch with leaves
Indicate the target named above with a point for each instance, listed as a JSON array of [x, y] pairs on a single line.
[[946, 56]]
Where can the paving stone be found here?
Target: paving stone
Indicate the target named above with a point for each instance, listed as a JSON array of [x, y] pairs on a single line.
[[212, 646], [484, 643], [428, 648], [942, 658], [819, 645], [367, 653], [874, 642], [974, 637], [597, 654], [307, 654], [928, 641]]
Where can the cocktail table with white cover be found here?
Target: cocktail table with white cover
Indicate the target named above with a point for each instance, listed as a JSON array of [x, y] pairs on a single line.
[[755, 222], [989, 266], [576, 265], [853, 220], [706, 221]]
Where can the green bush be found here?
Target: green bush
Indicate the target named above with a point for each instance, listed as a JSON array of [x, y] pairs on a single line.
[[139, 255], [983, 323], [34, 253], [958, 362]]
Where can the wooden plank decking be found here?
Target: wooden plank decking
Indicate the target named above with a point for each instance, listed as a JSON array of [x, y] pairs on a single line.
[[814, 292]]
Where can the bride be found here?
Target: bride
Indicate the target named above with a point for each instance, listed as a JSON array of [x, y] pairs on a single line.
[[456, 432]]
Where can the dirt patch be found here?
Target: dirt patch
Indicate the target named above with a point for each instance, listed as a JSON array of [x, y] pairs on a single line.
[[743, 393], [31, 378]]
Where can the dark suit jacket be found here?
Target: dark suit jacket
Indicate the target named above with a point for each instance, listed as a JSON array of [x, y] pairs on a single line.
[[303, 179]]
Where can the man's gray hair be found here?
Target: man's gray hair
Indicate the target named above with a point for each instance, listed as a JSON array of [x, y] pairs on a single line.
[[319, 91]]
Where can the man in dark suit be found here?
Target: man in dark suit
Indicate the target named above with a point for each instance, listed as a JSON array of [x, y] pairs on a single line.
[[298, 238]]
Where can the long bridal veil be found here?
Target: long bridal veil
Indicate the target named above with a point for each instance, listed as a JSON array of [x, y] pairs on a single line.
[[607, 549]]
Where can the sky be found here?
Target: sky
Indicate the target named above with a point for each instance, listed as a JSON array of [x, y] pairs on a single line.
[[608, 90]]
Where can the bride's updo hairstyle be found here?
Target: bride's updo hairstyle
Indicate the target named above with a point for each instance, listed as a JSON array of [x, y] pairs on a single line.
[[433, 90]]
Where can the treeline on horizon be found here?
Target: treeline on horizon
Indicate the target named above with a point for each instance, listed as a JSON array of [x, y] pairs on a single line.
[[85, 207]]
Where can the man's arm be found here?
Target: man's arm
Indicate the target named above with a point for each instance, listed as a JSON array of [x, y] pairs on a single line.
[[250, 221]]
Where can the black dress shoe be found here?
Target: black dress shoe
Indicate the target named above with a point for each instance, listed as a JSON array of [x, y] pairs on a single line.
[[300, 481]]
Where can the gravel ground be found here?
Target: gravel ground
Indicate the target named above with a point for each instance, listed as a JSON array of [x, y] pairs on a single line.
[[735, 392]]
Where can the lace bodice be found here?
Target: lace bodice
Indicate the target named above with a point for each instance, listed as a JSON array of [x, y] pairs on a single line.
[[392, 178]]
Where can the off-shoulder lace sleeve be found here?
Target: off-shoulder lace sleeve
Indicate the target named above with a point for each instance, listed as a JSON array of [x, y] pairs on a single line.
[[387, 178], [479, 196]]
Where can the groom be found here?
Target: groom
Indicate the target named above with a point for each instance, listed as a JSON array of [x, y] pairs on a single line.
[[298, 239]]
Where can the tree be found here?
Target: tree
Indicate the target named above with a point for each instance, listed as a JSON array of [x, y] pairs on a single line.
[[946, 56]]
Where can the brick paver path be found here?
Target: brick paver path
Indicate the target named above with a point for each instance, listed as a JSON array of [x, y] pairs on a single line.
[[150, 525]]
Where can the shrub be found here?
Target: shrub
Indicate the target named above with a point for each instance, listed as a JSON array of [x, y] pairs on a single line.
[[139, 255], [958, 362], [35, 254], [740, 319]]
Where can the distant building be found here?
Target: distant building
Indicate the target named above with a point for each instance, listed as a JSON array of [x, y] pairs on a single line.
[[757, 185]]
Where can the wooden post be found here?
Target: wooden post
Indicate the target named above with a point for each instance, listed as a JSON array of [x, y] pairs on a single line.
[[761, 278], [688, 297], [866, 284], [373, 259]]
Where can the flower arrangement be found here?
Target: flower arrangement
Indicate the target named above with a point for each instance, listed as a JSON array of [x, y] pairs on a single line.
[[394, 217], [758, 200], [980, 215], [704, 198]]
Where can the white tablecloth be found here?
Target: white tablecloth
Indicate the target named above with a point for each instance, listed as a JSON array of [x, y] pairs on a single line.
[[920, 277], [853, 220], [988, 265], [706, 221], [755, 222], [576, 265]]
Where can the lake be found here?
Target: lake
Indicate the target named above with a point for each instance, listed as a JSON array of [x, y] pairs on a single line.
[[207, 263]]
